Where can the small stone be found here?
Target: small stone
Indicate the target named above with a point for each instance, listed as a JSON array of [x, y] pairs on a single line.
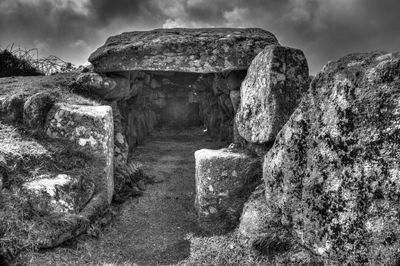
[[120, 138]]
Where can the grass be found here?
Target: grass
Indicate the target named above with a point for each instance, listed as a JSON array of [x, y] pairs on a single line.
[[222, 250], [24, 158], [57, 85]]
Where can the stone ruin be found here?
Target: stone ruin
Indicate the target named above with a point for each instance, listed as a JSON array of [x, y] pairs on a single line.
[[176, 76], [312, 169]]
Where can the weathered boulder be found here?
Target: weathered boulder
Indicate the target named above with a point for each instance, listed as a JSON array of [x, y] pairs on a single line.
[[273, 88], [92, 128], [333, 174], [36, 108], [12, 107], [224, 181], [255, 214], [60, 194], [116, 87], [182, 50]]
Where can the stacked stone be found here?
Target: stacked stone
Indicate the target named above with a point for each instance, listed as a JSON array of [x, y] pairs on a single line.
[[217, 107]]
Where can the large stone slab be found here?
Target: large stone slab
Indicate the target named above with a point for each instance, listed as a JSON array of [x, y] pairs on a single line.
[[224, 181], [273, 88], [92, 128], [183, 50], [333, 174]]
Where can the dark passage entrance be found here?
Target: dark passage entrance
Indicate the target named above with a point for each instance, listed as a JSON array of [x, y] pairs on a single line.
[[181, 99]]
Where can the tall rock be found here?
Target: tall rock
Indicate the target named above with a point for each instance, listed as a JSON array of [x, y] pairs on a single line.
[[273, 87], [333, 174]]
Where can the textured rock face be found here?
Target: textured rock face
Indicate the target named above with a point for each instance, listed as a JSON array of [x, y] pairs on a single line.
[[224, 181], [36, 108], [59, 194], [183, 50], [333, 175], [92, 128], [255, 214], [116, 87], [273, 87], [12, 107]]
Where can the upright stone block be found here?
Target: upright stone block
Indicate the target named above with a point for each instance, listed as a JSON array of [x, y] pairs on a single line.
[[274, 85], [92, 128], [224, 181]]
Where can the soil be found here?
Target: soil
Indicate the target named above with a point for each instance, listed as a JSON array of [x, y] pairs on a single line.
[[151, 229]]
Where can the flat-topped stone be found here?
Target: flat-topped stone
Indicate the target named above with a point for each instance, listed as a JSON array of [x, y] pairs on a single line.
[[92, 129], [224, 180], [183, 50]]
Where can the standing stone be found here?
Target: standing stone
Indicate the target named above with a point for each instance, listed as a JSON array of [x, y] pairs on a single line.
[[274, 85], [224, 181], [333, 174], [92, 128]]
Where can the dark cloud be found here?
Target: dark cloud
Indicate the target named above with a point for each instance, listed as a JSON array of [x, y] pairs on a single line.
[[323, 29]]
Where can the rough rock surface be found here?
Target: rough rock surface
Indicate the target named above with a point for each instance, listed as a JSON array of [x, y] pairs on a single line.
[[115, 87], [36, 108], [273, 87], [59, 194], [12, 107], [333, 175], [92, 128], [183, 50], [255, 214], [224, 181]]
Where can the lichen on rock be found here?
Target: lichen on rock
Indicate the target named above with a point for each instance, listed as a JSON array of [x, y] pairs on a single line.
[[275, 82], [36, 108], [332, 175], [92, 128], [224, 180]]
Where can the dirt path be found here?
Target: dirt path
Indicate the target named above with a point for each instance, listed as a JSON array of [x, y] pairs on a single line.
[[149, 230]]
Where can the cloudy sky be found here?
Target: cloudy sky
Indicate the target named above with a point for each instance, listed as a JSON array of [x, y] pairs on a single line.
[[324, 29]]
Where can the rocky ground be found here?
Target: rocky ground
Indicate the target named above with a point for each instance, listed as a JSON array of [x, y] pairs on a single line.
[[151, 229]]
